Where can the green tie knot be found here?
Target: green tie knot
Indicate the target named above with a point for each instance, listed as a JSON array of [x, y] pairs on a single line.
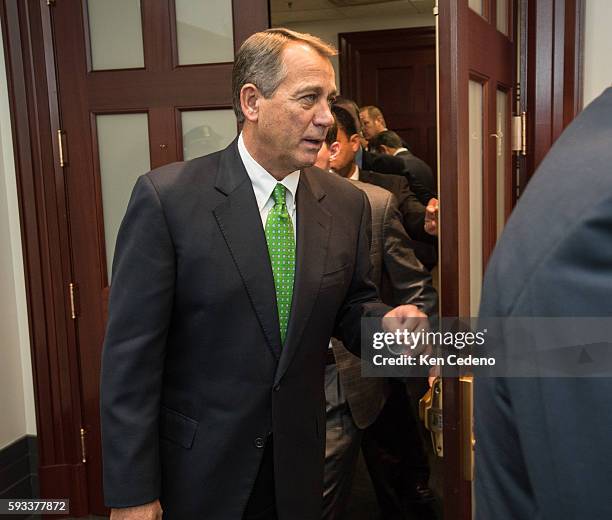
[[279, 195]]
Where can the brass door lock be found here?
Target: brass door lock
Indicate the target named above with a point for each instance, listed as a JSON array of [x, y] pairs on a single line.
[[430, 412]]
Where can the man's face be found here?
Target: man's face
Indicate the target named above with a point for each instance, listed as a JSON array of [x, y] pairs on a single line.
[[342, 162], [370, 126], [292, 123]]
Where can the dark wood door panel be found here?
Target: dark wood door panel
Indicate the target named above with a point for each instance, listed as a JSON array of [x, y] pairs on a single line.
[[395, 70]]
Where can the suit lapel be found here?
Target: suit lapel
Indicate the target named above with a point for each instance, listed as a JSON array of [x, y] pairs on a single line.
[[313, 230], [239, 220]]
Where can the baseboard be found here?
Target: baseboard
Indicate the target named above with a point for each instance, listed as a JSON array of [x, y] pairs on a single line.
[[19, 469]]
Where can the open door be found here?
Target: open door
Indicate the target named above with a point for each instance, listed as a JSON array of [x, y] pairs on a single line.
[[476, 67]]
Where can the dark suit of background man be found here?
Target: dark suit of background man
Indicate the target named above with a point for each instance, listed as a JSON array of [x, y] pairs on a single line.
[[543, 445], [210, 405], [419, 174]]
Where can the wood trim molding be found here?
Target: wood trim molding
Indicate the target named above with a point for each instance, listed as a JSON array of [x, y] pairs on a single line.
[[45, 240], [453, 45], [554, 57]]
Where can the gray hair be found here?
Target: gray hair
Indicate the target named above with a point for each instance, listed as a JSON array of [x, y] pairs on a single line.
[[259, 61]]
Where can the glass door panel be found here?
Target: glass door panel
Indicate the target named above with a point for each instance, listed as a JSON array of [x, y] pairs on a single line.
[[123, 148]]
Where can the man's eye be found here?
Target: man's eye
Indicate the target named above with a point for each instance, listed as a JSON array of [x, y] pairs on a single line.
[[310, 98], [331, 101]]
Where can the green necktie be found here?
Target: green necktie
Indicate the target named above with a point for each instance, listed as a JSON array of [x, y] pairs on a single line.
[[281, 247]]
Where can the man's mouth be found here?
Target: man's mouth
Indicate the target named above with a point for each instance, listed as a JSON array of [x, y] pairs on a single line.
[[314, 142]]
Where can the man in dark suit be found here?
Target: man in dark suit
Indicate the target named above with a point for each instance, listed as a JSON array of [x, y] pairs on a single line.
[[232, 272], [354, 402], [392, 446], [413, 211], [419, 174], [543, 445]]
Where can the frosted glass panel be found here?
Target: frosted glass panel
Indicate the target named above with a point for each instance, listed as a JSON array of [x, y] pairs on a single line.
[[477, 5], [123, 147], [475, 189], [502, 16], [115, 33], [206, 131], [204, 31], [502, 124]]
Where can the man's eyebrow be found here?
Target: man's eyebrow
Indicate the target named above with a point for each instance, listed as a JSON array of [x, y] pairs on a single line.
[[315, 88]]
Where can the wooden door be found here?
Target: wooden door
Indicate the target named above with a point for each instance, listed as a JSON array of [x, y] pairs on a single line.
[[140, 84], [395, 70], [477, 63]]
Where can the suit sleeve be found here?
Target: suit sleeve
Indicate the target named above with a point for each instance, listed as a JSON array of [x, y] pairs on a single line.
[[420, 179], [140, 307], [412, 211], [362, 299], [409, 281]]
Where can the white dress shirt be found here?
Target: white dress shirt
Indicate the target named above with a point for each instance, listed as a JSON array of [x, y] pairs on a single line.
[[355, 176], [264, 184]]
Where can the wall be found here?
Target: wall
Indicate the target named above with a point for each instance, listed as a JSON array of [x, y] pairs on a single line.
[[328, 30], [17, 416], [597, 48]]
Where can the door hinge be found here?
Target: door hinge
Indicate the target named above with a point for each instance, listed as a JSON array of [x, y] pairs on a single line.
[[50, 3], [63, 157], [83, 446], [519, 134], [73, 288], [436, 9]]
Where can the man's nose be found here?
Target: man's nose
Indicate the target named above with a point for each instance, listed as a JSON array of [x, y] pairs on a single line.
[[323, 115]]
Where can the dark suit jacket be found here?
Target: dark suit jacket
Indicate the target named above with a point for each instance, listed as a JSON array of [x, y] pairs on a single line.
[[543, 445], [419, 176], [194, 377], [413, 213], [401, 279]]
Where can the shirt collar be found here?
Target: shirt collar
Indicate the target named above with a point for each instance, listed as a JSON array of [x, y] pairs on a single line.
[[359, 157], [263, 182], [400, 150], [355, 176]]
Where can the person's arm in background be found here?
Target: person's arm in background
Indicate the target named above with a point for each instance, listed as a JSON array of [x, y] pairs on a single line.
[[408, 279]]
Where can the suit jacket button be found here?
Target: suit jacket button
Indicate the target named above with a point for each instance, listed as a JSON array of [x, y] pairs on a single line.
[[259, 442], [277, 388]]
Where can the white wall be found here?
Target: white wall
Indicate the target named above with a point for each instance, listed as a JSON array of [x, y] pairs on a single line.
[[328, 30], [17, 416], [597, 48]]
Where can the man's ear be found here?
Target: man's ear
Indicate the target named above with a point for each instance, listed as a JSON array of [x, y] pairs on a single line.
[[355, 142], [385, 149], [334, 148], [249, 101]]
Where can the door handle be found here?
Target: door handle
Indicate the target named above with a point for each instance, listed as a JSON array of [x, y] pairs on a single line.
[[430, 412]]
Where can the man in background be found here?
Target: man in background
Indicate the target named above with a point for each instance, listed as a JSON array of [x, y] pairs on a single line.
[[372, 121], [420, 176], [392, 446], [412, 210]]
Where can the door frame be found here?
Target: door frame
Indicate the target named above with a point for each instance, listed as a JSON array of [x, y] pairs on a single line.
[[42, 206]]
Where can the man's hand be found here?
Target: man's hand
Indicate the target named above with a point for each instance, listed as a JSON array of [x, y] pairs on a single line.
[[431, 217], [150, 511], [405, 317]]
